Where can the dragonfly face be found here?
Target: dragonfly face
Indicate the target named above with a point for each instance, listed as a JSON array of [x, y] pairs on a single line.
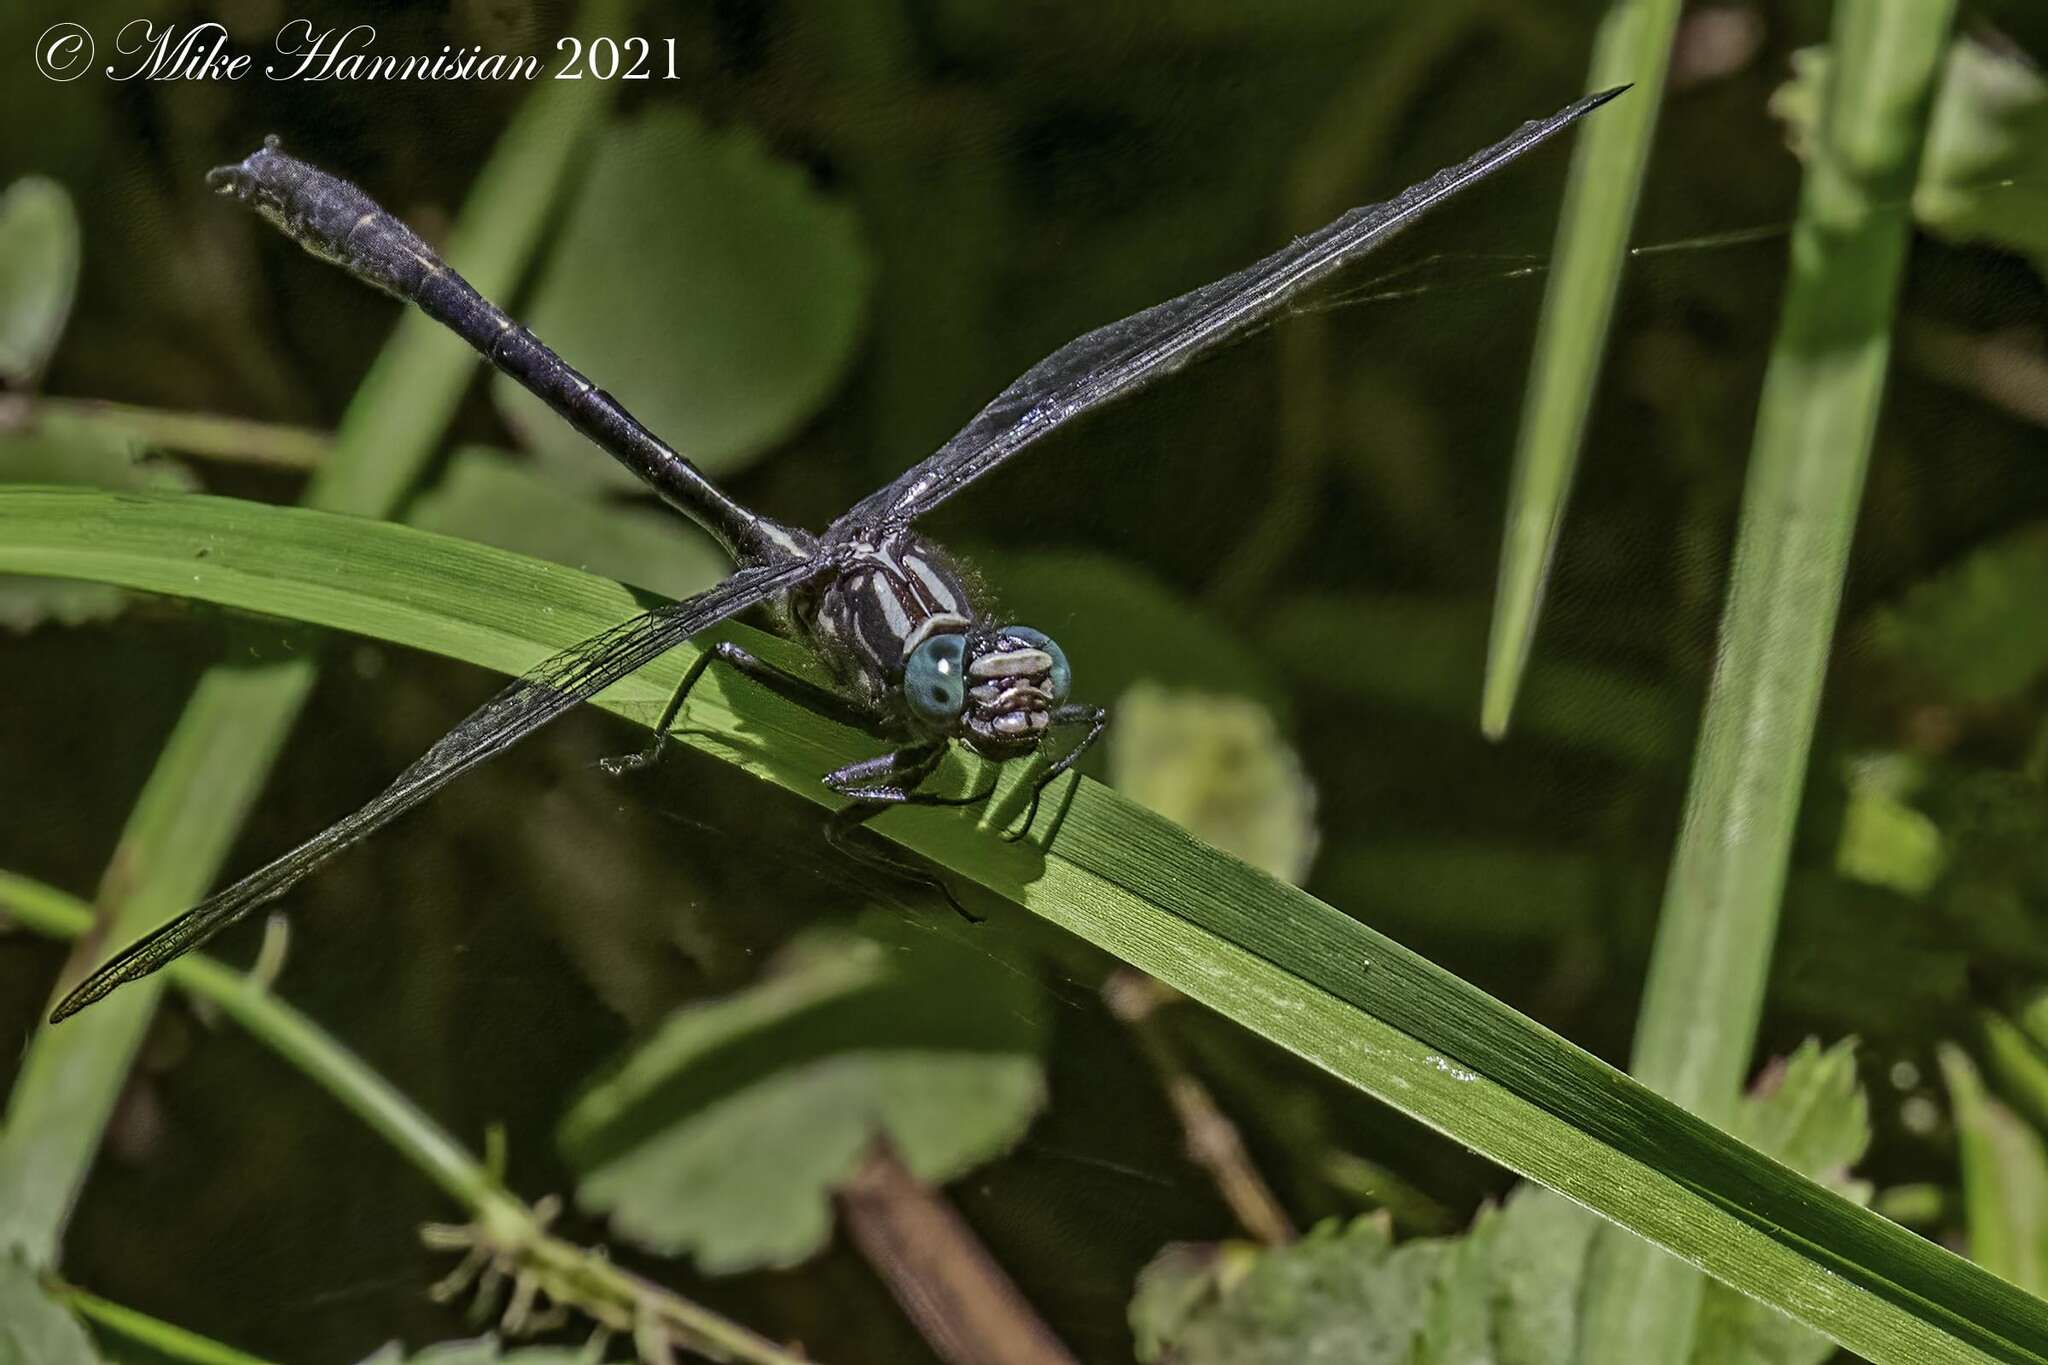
[[995, 691]]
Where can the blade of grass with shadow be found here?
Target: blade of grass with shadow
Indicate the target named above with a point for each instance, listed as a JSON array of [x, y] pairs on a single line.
[[1816, 423], [218, 757], [1633, 47], [1268, 955]]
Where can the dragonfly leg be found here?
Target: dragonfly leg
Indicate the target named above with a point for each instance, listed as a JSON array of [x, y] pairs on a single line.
[[1096, 718], [878, 783], [783, 683], [892, 779]]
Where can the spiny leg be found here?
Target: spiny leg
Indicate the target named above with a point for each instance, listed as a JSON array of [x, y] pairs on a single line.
[[870, 779], [805, 693], [1096, 718]]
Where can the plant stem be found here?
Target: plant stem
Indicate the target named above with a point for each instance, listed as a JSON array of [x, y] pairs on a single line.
[[1212, 1139], [164, 1339], [962, 1302], [504, 1227], [1815, 426], [237, 440]]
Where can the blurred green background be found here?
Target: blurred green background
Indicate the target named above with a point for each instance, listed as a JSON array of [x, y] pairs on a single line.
[[807, 259]]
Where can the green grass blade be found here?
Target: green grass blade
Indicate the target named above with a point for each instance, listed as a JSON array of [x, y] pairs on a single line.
[[1634, 45], [2005, 1177], [220, 753], [1815, 425], [1268, 955]]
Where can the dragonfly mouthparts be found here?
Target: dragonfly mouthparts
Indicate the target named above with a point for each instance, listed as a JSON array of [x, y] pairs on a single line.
[[1019, 678]]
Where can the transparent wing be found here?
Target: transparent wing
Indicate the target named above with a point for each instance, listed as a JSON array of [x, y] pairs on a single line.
[[552, 687], [1119, 359]]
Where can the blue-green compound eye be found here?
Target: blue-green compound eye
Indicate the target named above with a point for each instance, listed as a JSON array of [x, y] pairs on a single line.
[[1062, 672], [935, 680]]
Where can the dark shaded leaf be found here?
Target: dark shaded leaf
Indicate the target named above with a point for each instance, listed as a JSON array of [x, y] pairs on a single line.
[[1978, 629], [489, 497], [703, 282]]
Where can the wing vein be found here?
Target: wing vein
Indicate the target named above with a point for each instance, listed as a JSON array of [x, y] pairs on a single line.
[[1122, 357]]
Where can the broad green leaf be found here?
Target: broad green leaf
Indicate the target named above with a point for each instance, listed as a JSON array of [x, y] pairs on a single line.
[[1884, 840], [1457, 1328], [1979, 628], [1219, 767], [1178, 1284], [726, 1133], [1283, 964], [1809, 1111], [34, 1330], [703, 282], [1342, 1293], [1984, 172], [2032, 1017], [1506, 1291], [2005, 1178], [488, 497], [1984, 177], [39, 253]]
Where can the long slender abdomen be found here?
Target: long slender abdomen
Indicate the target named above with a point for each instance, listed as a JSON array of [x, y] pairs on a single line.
[[337, 222]]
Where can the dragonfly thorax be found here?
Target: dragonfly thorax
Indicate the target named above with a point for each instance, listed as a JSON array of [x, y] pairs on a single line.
[[890, 597], [900, 628]]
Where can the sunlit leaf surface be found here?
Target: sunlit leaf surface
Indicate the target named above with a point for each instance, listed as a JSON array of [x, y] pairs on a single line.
[[725, 1134]]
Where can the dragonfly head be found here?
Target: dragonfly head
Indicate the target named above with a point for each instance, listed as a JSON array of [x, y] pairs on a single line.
[[994, 690]]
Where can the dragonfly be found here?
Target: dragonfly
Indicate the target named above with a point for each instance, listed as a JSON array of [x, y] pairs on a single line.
[[913, 658]]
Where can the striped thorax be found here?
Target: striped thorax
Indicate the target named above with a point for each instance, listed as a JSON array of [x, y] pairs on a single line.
[[900, 629]]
